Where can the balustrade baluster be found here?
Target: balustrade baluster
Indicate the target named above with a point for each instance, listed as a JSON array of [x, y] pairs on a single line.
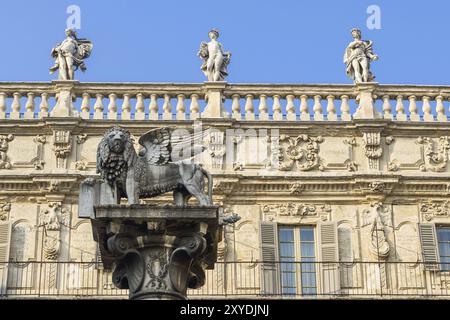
[[387, 108], [263, 110], [3, 105], [43, 107], [413, 114], [194, 107], [345, 108], [440, 109], [400, 109], [112, 106], [140, 107], [290, 108], [181, 109], [98, 106], [235, 107], [15, 107], [427, 116], [85, 106], [167, 108], [317, 108], [153, 107], [304, 110], [29, 113], [126, 107], [249, 108], [331, 109], [277, 108]]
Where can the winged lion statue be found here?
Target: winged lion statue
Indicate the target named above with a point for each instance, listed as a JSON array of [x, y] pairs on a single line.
[[157, 168]]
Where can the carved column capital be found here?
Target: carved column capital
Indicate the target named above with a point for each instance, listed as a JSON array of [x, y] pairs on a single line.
[[158, 252]]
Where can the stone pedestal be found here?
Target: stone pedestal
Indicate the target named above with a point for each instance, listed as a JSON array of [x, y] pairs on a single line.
[[215, 107], [365, 98], [157, 252]]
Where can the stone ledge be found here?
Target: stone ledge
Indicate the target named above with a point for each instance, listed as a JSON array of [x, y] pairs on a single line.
[[157, 212]]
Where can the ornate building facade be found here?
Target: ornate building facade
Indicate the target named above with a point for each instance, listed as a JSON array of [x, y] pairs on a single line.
[[342, 190]]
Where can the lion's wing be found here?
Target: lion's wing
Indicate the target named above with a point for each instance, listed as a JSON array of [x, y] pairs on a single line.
[[157, 146], [162, 146]]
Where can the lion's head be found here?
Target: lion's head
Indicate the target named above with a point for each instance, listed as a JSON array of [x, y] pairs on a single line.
[[115, 154]]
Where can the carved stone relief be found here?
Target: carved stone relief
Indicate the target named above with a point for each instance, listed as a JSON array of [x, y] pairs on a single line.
[[434, 209], [372, 148], [52, 218], [5, 209], [216, 148], [379, 217], [299, 153], [435, 160], [273, 211], [4, 145], [62, 147]]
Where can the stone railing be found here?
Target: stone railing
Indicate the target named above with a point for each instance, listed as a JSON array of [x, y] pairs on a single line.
[[238, 280], [168, 101]]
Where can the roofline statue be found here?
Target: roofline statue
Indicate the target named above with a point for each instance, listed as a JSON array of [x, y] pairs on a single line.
[[358, 55], [215, 60], [70, 54]]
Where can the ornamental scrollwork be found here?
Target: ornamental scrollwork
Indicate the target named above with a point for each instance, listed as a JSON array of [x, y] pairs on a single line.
[[301, 153], [432, 209], [435, 161]]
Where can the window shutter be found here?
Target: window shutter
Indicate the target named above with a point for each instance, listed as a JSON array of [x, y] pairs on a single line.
[[428, 242], [270, 260], [329, 258], [5, 238]]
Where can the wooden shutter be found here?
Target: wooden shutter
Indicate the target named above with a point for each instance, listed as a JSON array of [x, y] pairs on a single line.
[[428, 242], [270, 259], [5, 238], [329, 258]]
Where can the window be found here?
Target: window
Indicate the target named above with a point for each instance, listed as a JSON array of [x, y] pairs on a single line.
[[297, 260], [443, 238]]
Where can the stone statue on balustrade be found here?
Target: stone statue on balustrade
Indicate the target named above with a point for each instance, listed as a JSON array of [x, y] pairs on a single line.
[[358, 55], [70, 54], [215, 60], [159, 167]]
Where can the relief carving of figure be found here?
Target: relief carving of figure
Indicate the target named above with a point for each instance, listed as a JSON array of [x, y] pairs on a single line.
[[69, 55], [4, 145], [357, 57], [215, 60]]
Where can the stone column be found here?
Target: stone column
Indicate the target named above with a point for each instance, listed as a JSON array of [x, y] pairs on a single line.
[[215, 107], [158, 251], [365, 98], [64, 98]]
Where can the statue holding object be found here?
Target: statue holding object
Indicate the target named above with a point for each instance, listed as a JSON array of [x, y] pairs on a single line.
[[215, 60], [357, 57], [70, 54]]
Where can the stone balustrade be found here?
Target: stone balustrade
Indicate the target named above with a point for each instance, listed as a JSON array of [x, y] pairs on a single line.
[[272, 102]]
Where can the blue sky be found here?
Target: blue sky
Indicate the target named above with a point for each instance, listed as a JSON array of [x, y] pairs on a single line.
[[272, 41]]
